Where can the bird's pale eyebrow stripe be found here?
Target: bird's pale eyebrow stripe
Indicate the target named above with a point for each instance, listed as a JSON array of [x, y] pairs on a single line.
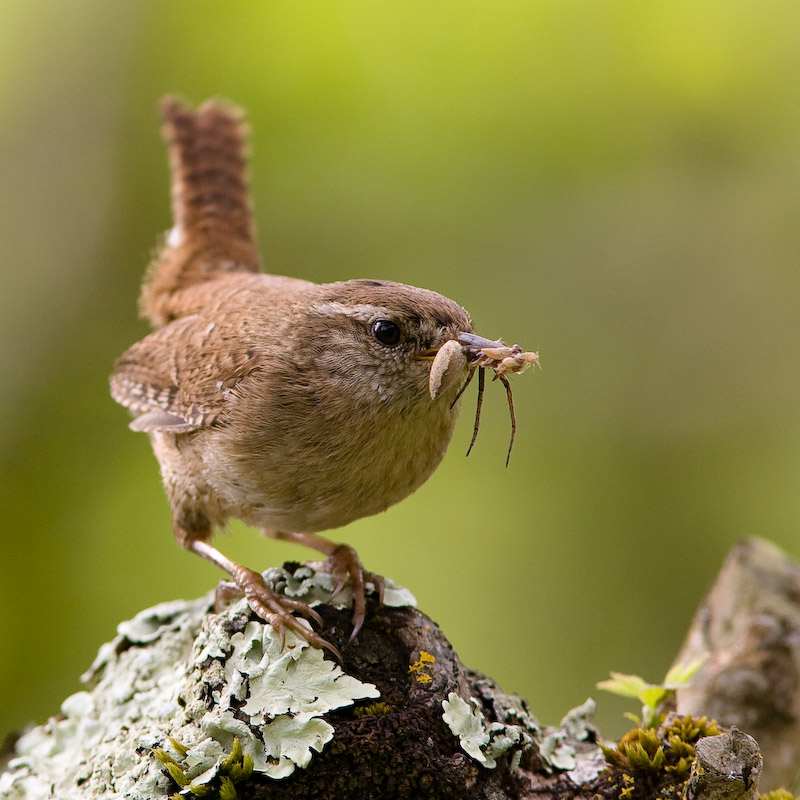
[[364, 312]]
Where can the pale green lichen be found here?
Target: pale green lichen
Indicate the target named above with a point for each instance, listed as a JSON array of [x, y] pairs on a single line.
[[314, 587], [570, 747], [294, 681], [178, 671], [560, 746], [578, 752], [483, 742], [577, 722], [285, 693], [556, 751], [467, 722]]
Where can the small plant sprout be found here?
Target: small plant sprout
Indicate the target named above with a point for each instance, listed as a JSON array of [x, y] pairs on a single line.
[[651, 695]]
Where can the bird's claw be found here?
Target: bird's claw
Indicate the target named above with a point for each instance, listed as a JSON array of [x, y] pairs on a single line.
[[279, 611], [343, 563]]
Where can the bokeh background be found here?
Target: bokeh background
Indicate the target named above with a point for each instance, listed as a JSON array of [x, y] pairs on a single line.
[[614, 184]]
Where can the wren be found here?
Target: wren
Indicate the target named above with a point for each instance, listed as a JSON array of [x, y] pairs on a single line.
[[293, 406]]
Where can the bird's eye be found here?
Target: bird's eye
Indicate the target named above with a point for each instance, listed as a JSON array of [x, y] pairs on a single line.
[[386, 332]]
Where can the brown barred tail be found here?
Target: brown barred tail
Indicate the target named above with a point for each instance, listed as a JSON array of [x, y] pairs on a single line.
[[213, 231]]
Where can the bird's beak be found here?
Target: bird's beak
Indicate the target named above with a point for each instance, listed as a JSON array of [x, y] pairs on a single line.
[[473, 344]]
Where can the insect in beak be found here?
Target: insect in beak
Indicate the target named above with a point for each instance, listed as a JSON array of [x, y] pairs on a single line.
[[478, 353], [449, 364]]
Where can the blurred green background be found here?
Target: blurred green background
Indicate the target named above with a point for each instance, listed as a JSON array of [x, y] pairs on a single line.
[[614, 184]]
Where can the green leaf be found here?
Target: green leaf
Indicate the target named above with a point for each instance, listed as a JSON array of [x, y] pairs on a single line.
[[624, 685], [652, 695], [680, 675]]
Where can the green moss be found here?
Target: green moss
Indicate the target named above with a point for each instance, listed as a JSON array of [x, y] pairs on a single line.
[[235, 770], [372, 710], [658, 759]]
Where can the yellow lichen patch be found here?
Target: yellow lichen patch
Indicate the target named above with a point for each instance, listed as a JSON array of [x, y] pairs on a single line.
[[628, 787], [420, 668], [425, 658]]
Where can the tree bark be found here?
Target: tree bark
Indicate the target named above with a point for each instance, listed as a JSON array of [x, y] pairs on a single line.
[[208, 702], [749, 625]]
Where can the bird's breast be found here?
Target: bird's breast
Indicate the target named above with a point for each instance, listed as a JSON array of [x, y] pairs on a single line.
[[313, 471]]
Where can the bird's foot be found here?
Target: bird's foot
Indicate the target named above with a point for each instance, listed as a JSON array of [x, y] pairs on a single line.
[[279, 611], [343, 563]]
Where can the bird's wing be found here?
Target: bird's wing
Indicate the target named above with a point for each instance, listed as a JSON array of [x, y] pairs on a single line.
[[178, 377]]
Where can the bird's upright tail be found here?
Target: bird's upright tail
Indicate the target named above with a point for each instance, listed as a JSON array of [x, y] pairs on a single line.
[[213, 224]]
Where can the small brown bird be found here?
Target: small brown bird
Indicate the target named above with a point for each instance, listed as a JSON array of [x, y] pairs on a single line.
[[293, 406]]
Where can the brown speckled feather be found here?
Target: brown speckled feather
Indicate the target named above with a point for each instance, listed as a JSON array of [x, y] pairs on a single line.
[[163, 373], [208, 159], [214, 232]]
